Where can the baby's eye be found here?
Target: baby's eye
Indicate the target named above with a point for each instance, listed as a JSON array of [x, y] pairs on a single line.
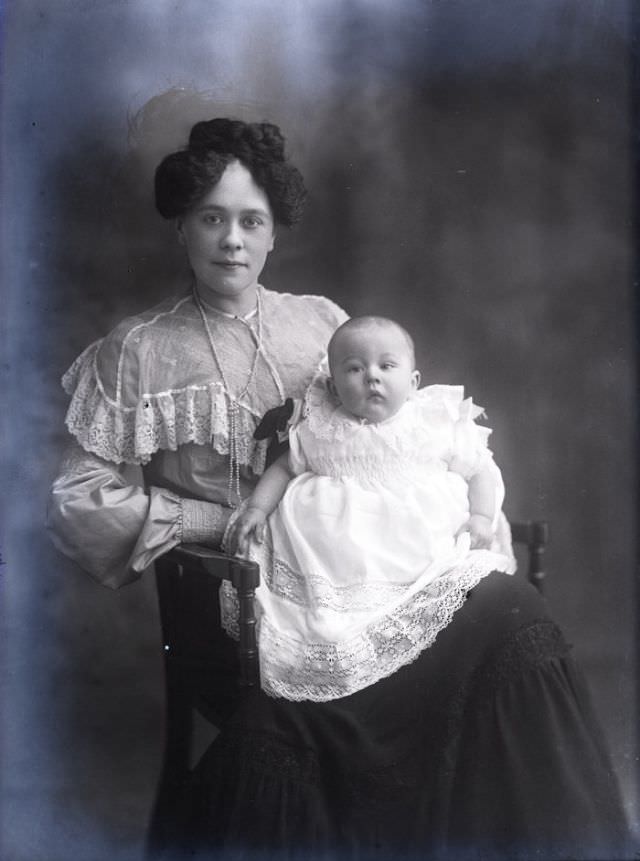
[[386, 366], [353, 369]]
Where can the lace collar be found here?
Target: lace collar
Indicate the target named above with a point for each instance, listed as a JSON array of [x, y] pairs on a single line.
[[151, 383], [327, 419]]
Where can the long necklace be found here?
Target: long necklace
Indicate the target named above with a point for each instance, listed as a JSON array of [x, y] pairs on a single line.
[[233, 401]]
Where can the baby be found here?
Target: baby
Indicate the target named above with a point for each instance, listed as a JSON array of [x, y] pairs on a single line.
[[372, 366], [373, 527]]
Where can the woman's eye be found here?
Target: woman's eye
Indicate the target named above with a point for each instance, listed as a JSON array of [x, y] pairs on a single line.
[[251, 221], [212, 219]]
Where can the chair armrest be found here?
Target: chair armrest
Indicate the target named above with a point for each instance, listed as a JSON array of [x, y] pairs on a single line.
[[243, 573], [531, 532], [245, 578]]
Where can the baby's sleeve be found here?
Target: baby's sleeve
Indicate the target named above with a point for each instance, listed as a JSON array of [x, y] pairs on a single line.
[[297, 459], [469, 450]]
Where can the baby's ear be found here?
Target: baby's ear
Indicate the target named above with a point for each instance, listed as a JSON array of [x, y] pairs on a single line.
[[415, 379], [331, 386]]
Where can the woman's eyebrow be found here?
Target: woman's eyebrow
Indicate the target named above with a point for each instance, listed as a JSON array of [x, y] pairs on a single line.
[[212, 207]]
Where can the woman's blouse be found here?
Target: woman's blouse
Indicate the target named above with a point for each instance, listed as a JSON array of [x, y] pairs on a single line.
[[365, 559], [150, 395]]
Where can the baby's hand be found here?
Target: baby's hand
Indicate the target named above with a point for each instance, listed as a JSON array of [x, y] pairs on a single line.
[[481, 528], [249, 523]]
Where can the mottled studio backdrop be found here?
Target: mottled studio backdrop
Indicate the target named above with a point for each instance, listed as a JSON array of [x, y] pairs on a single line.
[[470, 174]]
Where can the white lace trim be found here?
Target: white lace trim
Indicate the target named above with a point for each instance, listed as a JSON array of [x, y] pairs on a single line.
[[329, 421], [297, 670], [434, 431], [318, 591], [165, 420]]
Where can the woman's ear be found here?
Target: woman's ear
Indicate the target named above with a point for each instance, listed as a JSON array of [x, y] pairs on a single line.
[[273, 240], [180, 231]]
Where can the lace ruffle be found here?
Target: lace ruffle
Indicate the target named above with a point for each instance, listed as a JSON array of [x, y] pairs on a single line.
[[295, 670], [329, 421], [194, 414], [290, 585], [436, 426]]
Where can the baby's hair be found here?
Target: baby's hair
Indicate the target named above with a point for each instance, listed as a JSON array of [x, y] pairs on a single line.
[[371, 322], [184, 177]]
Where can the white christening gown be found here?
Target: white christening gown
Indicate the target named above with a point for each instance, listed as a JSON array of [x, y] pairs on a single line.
[[364, 560]]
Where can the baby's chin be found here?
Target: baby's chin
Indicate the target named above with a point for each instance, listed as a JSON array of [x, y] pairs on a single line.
[[376, 413]]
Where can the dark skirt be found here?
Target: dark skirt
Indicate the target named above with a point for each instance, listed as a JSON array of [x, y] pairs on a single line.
[[485, 747]]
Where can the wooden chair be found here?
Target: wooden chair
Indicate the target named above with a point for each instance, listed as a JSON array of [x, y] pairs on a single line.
[[207, 672], [534, 536]]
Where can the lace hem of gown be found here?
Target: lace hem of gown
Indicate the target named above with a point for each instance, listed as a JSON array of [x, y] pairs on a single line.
[[295, 670], [166, 420]]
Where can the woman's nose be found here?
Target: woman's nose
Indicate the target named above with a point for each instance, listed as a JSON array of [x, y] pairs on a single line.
[[232, 237]]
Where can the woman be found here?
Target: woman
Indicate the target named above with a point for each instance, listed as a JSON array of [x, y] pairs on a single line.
[[181, 388], [485, 746]]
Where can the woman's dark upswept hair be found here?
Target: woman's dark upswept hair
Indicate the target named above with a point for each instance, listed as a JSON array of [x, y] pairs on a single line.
[[186, 176]]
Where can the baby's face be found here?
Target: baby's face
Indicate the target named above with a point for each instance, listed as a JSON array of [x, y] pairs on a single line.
[[372, 372]]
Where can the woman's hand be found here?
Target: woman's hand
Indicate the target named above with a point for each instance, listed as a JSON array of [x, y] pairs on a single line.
[[250, 523], [481, 528]]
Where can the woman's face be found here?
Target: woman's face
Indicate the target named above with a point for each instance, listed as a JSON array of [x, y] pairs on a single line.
[[228, 236]]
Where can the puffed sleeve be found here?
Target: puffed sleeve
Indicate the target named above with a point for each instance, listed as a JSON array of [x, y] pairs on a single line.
[[99, 514], [95, 515], [114, 528], [464, 442], [468, 446]]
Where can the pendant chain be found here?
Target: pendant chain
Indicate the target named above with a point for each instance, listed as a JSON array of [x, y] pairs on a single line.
[[233, 405]]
